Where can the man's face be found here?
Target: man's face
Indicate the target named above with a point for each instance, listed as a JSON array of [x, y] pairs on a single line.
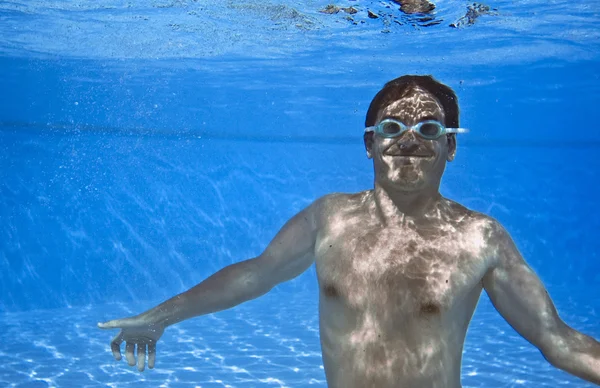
[[409, 162]]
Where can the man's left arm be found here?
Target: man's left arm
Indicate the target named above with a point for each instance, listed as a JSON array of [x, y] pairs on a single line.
[[520, 297]]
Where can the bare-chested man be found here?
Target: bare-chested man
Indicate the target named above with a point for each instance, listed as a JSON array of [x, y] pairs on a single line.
[[400, 268]]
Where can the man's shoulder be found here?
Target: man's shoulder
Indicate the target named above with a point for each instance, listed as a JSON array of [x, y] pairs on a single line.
[[473, 217], [335, 202], [481, 230], [339, 206]]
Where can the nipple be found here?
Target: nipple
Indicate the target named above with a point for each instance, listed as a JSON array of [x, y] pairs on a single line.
[[430, 308], [330, 291]]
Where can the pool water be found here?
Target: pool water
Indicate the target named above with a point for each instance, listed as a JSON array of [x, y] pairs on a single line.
[[272, 341], [146, 145]]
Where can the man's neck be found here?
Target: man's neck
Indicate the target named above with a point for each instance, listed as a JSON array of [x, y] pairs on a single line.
[[396, 205]]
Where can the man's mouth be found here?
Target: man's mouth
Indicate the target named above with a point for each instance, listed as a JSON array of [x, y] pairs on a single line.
[[409, 152], [397, 151], [408, 155]]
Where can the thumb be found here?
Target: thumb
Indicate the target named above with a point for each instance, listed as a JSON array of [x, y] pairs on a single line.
[[117, 323], [108, 325]]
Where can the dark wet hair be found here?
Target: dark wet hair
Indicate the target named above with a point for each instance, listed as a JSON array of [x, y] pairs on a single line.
[[400, 87]]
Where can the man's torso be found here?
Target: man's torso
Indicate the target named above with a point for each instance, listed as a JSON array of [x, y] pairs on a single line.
[[396, 299]]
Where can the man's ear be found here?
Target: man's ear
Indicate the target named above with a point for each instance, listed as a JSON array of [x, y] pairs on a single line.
[[451, 147], [368, 139]]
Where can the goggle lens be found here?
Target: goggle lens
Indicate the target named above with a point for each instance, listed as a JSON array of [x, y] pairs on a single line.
[[430, 130], [390, 128]]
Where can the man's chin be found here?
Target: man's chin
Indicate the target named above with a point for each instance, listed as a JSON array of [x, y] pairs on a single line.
[[406, 183]]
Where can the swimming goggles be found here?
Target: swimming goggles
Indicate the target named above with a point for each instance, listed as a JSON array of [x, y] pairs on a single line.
[[428, 129]]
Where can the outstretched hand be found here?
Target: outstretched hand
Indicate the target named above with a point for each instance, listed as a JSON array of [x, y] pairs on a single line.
[[135, 331]]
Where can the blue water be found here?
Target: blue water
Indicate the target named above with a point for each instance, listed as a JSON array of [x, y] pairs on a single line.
[[145, 145]]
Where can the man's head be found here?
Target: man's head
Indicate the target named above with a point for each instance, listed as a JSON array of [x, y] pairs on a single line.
[[409, 161]]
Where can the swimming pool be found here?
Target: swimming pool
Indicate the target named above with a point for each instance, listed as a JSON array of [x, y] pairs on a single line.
[[146, 145]]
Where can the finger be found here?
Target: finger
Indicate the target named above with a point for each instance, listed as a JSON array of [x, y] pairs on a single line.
[[115, 346], [119, 323], [141, 357], [151, 355], [110, 324], [129, 348]]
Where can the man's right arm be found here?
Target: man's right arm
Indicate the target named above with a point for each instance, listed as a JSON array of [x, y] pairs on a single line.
[[289, 254]]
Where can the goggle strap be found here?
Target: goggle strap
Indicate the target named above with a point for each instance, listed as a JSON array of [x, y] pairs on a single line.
[[370, 129], [457, 130]]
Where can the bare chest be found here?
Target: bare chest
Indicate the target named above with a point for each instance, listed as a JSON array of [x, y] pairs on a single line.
[[395, 270]]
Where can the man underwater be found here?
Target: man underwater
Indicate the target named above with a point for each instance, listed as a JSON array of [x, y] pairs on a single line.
[[400, 268]]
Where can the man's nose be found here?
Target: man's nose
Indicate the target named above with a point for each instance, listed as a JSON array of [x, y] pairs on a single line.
[[408, 141]]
